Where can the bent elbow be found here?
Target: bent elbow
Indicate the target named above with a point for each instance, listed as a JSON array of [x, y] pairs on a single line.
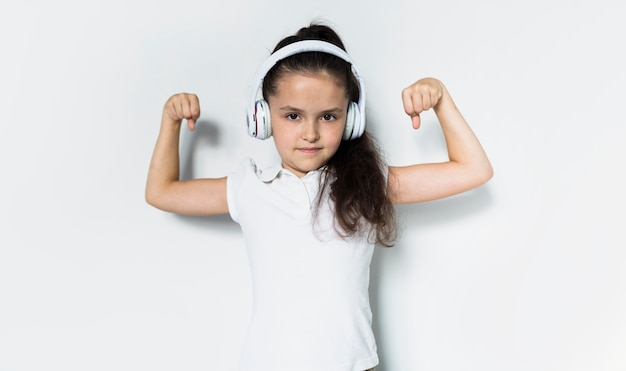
[[488, 173], [152, 198], [485, 174], [149, 197]]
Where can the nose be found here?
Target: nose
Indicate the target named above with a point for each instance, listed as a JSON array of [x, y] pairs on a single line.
[[310, 131]]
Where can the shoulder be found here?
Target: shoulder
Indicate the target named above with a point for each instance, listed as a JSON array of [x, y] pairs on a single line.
[[248, 167], [248, 179]]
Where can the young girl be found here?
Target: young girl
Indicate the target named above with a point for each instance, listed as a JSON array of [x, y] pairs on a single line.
[[311, 222]]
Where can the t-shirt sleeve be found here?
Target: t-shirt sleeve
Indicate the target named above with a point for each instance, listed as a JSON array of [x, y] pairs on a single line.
[[234, 183]]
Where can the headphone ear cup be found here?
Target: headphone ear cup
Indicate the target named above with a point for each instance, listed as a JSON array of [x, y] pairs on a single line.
[[352, 122], [263, 121]]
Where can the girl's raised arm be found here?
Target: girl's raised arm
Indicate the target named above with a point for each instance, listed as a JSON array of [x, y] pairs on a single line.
[[468, 165], [164, 189]]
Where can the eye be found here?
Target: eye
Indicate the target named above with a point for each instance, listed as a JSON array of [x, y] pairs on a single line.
[[329, 117], [292, 116]]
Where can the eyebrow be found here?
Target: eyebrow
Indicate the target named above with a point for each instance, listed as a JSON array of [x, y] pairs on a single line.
[[295, 109]]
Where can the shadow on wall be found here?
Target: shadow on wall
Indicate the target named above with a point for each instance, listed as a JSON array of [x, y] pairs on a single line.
[[424, 215], [449, 209], [206, 135]]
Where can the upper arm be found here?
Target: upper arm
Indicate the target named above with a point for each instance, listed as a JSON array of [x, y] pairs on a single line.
[[191, 197], [427, 182]]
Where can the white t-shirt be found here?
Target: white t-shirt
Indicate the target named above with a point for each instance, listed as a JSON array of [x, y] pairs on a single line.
[[311, 308]]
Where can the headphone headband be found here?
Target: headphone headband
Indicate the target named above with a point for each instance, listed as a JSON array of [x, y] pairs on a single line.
[[297, 48]]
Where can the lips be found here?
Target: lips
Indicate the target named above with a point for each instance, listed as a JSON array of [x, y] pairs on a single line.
[[309, 150]]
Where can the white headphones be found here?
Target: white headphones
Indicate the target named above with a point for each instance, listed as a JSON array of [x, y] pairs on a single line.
[[258, 113]]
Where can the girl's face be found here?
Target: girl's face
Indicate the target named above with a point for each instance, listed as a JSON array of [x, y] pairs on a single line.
[[308, 115]]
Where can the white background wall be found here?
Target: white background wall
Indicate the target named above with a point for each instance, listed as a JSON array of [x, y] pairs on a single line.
[[524, 273]]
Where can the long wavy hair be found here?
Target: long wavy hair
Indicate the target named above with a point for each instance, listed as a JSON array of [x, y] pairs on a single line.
[[357, 174]]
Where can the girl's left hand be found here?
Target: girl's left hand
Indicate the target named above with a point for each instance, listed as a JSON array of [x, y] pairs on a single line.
[[421, 96]]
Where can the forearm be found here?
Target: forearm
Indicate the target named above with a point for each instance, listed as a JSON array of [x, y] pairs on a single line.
[[165, 163], [462, 144]]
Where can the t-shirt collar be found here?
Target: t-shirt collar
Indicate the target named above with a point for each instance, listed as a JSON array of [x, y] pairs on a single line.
[[272, 172]]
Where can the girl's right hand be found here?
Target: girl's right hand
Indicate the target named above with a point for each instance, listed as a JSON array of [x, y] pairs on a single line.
[[182, 106]]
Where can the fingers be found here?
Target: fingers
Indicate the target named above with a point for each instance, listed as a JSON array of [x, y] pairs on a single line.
[[419, 97], [183, 106], [416, 121]]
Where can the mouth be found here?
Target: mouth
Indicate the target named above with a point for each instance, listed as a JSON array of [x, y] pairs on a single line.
[[309, 150]]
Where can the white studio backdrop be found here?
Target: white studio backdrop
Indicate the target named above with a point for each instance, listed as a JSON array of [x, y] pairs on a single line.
[[524, 273]]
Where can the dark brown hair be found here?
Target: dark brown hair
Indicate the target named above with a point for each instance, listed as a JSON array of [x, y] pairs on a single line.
[[359, 184]]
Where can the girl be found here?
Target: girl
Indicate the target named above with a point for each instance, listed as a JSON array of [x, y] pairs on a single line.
[[311, 222]]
